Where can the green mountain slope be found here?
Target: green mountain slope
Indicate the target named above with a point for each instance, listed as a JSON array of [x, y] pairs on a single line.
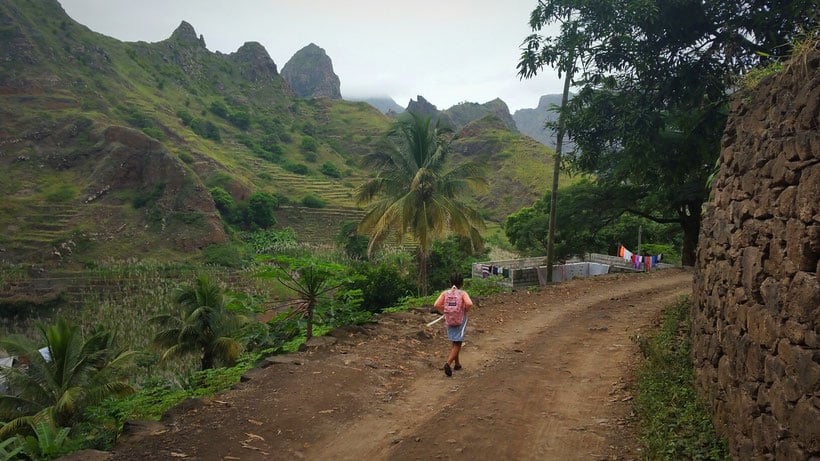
[[108, 149]]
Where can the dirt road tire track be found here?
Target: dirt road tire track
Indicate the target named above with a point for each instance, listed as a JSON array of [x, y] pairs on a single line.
[[546, 376]]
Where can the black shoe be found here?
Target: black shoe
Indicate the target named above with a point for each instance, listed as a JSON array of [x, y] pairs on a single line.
[[457, 367], [447, 370]]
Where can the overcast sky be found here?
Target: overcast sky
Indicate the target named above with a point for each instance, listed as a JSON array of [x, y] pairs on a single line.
[[448, 51]]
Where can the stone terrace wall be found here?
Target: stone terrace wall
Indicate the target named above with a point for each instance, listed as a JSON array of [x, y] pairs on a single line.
[[756, 305]]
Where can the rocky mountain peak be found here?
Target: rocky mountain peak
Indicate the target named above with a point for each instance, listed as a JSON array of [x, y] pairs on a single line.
[[310, 74], [422, 107], [254, 62], [185, 34]]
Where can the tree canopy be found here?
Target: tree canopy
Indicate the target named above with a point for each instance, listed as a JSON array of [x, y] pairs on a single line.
[[653, 83]]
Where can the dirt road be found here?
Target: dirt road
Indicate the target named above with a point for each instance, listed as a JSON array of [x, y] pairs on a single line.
[[546, 376]]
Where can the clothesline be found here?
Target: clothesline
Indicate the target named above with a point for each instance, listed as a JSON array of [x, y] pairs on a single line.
[[637, 260]]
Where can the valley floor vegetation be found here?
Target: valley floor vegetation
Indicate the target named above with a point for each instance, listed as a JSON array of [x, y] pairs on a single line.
[[146, 335]]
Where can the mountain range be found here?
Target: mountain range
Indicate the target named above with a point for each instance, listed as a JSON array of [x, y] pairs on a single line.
[[112, 149]]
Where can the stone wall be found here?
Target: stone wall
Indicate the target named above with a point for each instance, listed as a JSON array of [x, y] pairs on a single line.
[[756, 303]]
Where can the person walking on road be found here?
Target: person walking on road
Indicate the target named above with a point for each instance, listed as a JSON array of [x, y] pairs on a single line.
[[454, 303]]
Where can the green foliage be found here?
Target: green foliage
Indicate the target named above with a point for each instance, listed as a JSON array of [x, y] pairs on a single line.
[[650, 111], [185, 117], [80, 372], [311, 281], [354, 245], [312, 201], [222, 200], [415, 192], [200, 324], [61, 193], [205, 128], [674, 421], [226, 255], [308, 144], [590, 218], [260, 209], [155, 133], [453, 254], [382, 284], [329, 169], [297, 168], [10, 448], [186, 158], [48, 442], [272, 242], [147, 198]]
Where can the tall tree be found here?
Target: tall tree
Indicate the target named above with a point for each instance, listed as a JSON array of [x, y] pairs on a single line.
[[56, 387], [416, 192], [201, 325], [655, 79]]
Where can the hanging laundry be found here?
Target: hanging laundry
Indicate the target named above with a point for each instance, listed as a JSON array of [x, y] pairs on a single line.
[[627, 255], [648, 263]]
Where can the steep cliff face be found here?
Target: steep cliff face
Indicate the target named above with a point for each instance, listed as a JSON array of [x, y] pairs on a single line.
[[756, 303], [310, 74], [462, 114], [531, 122]]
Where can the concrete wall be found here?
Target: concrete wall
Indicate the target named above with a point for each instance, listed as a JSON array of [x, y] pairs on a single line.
[[756, 302]]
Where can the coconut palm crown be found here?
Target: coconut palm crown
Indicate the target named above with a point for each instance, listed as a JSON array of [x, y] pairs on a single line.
[[415, 192]]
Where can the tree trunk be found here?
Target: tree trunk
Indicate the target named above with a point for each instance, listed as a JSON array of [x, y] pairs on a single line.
[[309, 332], [690, 222], [423, 271]]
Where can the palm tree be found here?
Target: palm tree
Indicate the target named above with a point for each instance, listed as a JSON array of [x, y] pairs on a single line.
[[415, 193], [202, 325], [55, 390]]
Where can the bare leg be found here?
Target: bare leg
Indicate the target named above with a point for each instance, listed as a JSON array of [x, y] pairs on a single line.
[[453, 358]]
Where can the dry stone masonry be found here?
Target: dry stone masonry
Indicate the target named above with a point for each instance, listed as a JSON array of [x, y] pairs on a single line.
[[756, 305]]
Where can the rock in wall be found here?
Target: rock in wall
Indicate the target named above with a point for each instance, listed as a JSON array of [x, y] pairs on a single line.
[[756, 302]]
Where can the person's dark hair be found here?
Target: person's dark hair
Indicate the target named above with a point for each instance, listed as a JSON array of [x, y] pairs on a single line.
[[457, 279]]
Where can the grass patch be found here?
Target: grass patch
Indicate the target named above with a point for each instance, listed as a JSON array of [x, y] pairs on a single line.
[[674, 423]]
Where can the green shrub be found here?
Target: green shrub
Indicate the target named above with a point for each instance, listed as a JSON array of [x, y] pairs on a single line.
[[227, 255], [382, 285], [223, 200], [312, 201], [146, 198], [296, 168], [260, 209], [62, 193], [155, 133], [186, 157], [453, 254], [329, 169], [308, 144]]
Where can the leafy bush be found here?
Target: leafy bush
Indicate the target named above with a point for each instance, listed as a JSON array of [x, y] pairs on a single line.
[[382, 285], [186, 157], [329, 169], [223, 201], [145, 198], [308, 144], [155, 133], [453, 254], [226, 255], [355, 245], [271, 242], [296, 168], [260, 209], [312, 201]]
